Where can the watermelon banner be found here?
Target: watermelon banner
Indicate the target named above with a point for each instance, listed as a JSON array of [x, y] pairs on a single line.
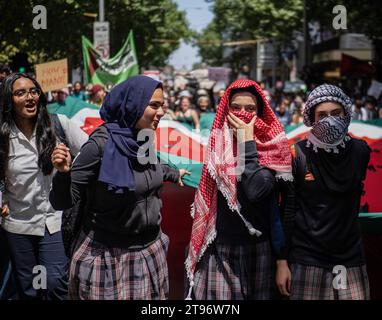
[[371, 132], [175, 142], [371, 202], [114, 70], [182, 148], [85, 115]]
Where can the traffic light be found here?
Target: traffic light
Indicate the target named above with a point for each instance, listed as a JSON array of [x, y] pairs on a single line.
[[20, 63]]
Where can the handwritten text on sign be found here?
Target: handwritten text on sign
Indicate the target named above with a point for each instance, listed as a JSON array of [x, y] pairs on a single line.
[[52, 75]]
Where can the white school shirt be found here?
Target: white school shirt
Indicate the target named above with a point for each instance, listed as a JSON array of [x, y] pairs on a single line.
[[27, 188]]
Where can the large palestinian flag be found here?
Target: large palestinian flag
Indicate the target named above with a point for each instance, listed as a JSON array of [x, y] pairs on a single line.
[[371, 132], [85, 115], [182, 148], [371, 201]]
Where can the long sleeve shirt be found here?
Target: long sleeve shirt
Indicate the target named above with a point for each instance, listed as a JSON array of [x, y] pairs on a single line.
[[322, 228], [256, 191], [27, 188], [127, 220]]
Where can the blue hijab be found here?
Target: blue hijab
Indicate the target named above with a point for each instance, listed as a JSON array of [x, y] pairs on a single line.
[[121, 109]]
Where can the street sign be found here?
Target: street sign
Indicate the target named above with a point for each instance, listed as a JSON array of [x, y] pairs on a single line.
[[265, 55], [101, 38], [375, 89]]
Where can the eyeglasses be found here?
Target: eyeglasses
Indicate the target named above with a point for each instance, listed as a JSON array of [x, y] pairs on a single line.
[[22, 93]]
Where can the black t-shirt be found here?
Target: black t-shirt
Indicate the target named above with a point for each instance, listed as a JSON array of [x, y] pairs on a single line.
[[326, 231]]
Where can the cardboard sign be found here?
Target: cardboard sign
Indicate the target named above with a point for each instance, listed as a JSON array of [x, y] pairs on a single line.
[[375, 89], [219, 74], [52, 75]]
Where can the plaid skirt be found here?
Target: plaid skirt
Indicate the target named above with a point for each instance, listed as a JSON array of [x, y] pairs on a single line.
[[103, 273], [235, 272], [314, 283]]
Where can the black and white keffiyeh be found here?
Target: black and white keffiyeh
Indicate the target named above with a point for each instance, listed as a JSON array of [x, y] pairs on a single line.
[[330, 132]]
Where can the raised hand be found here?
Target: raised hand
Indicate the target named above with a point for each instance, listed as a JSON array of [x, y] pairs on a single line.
[[61, 158], [237, 124]]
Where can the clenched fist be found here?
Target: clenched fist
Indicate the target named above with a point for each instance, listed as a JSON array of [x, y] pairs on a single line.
[[61, 158]]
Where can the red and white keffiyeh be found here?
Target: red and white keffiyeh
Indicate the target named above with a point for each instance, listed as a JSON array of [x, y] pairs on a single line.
[[220, 170]]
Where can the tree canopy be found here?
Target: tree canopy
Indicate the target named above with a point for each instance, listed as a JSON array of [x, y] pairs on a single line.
[[248, 19], [277, 20], [66, 23]]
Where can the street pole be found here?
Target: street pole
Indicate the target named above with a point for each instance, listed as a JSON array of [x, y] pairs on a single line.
[[101, 33], [101, 10], [305, 31]]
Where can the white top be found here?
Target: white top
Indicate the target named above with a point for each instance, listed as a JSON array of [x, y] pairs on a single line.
[[27, 188], [363, 116]]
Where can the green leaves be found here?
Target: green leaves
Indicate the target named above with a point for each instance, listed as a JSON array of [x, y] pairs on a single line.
[[150, 19], [249, 20]]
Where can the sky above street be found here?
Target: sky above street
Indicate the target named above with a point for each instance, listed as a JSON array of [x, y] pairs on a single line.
[[198, 15]]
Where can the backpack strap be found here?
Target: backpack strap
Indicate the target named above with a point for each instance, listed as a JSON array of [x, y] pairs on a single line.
[[100, 136]]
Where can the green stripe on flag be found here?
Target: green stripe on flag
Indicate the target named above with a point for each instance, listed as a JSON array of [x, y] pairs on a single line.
[[178, 162], [371, 223], [75, 109]]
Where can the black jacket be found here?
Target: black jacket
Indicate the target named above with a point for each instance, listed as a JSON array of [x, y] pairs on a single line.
[[128, 220]]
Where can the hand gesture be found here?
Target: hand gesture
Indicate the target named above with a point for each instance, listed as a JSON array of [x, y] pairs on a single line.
[[4, 211], [61, 158], [237, 124], [182, 172]]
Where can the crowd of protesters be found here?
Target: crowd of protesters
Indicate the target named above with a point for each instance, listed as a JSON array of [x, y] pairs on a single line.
[[121, 229]]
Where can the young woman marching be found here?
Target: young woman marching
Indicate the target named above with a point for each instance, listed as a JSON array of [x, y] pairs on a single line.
[[32, 227], [121, 252], [325, 259], [230, 255]]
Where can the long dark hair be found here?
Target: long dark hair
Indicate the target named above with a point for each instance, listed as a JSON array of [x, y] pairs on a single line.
[[45, 136]]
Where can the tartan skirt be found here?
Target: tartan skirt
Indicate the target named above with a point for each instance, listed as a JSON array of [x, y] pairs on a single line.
[[98, 272], [315, 283], [235, 272]]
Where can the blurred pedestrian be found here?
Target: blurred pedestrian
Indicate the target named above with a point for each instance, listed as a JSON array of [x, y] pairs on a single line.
[[78, 92], [371, 108], [358, 111], [97, 95], [62, 94], [186, 115], [282, 113], [168, 113], [205, 112]]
